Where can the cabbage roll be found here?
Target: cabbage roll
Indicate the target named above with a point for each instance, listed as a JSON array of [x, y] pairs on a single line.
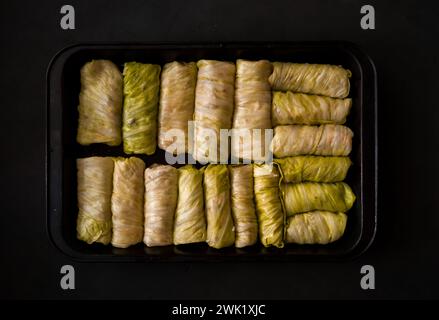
[[310, 196], [100, 104], [316, 227], [127, 202], [324, 79], [220, 228], [243, 208], [161, 190], [177, 101], [299, 108], [141, 96], [214, 101], [313, 168], [252, 109], [324, 140], [190, 222], [268, 205], [95, 182]]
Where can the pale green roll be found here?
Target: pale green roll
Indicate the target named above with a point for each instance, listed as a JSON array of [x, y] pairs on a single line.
[[141, 96]]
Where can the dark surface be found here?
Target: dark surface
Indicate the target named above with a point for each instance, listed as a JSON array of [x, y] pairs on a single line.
[[404, 49], [64, 86]]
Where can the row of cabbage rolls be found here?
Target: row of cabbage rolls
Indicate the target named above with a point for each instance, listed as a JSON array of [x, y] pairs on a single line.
[[306, 105], [224, 205]]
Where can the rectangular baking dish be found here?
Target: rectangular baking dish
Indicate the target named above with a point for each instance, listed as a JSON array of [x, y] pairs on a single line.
[[62, 150]]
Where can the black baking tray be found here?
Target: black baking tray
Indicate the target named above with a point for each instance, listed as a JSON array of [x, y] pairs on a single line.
[[62, 150]]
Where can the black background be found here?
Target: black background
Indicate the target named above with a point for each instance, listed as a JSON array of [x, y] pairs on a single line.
[[405, 51]]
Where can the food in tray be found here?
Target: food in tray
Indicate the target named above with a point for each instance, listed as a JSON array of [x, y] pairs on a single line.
[[268, 205], [243, 208], [95, 179], [214, 100], [314, 168], [100, 104], [177, 102], [220, 227], [190, 221], [323, 79], [324, 140], [310, 196], [127, 201], [315, 227], [299, 108], [161, 192], [299, 198], [252, 109], [141, 95]]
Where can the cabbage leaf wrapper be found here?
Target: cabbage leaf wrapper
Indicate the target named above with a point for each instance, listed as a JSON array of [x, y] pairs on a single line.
[[190, 221], [310, 196], [220, 228], [214, 100], [268, 205], [95, 182], [252, 108], [141, 96], [323, 79], [243, 208], [177, 102], [324, 140], [127, 202], [300, 108], [100, 104], [314, 168], [315, 227], [161, 191]]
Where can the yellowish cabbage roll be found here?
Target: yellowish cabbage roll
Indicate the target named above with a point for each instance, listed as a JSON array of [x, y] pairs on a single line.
[[95, 182], [190, 221], [324, 140], [316, 227], [314, 168], [220, 228], [310, 196], [268, 205], [127, 202], [243, 208], [100, 104], [161, 190], [252, 109], [141, 96], [324, 79], [177, 101], [299, 108], [214, 100]]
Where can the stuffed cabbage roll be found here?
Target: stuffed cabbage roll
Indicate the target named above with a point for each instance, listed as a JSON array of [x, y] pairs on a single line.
[[313, 168], [141, 96], [127, 202], [161, 190], [310, 196], [95, 180], [190, 222], [324, 140], [100, 104], [316, 227], [299, 108], [268, 205], [214, 100], [324, 79], [243, 208], [220, 228], [252, 109], [177, 101]]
